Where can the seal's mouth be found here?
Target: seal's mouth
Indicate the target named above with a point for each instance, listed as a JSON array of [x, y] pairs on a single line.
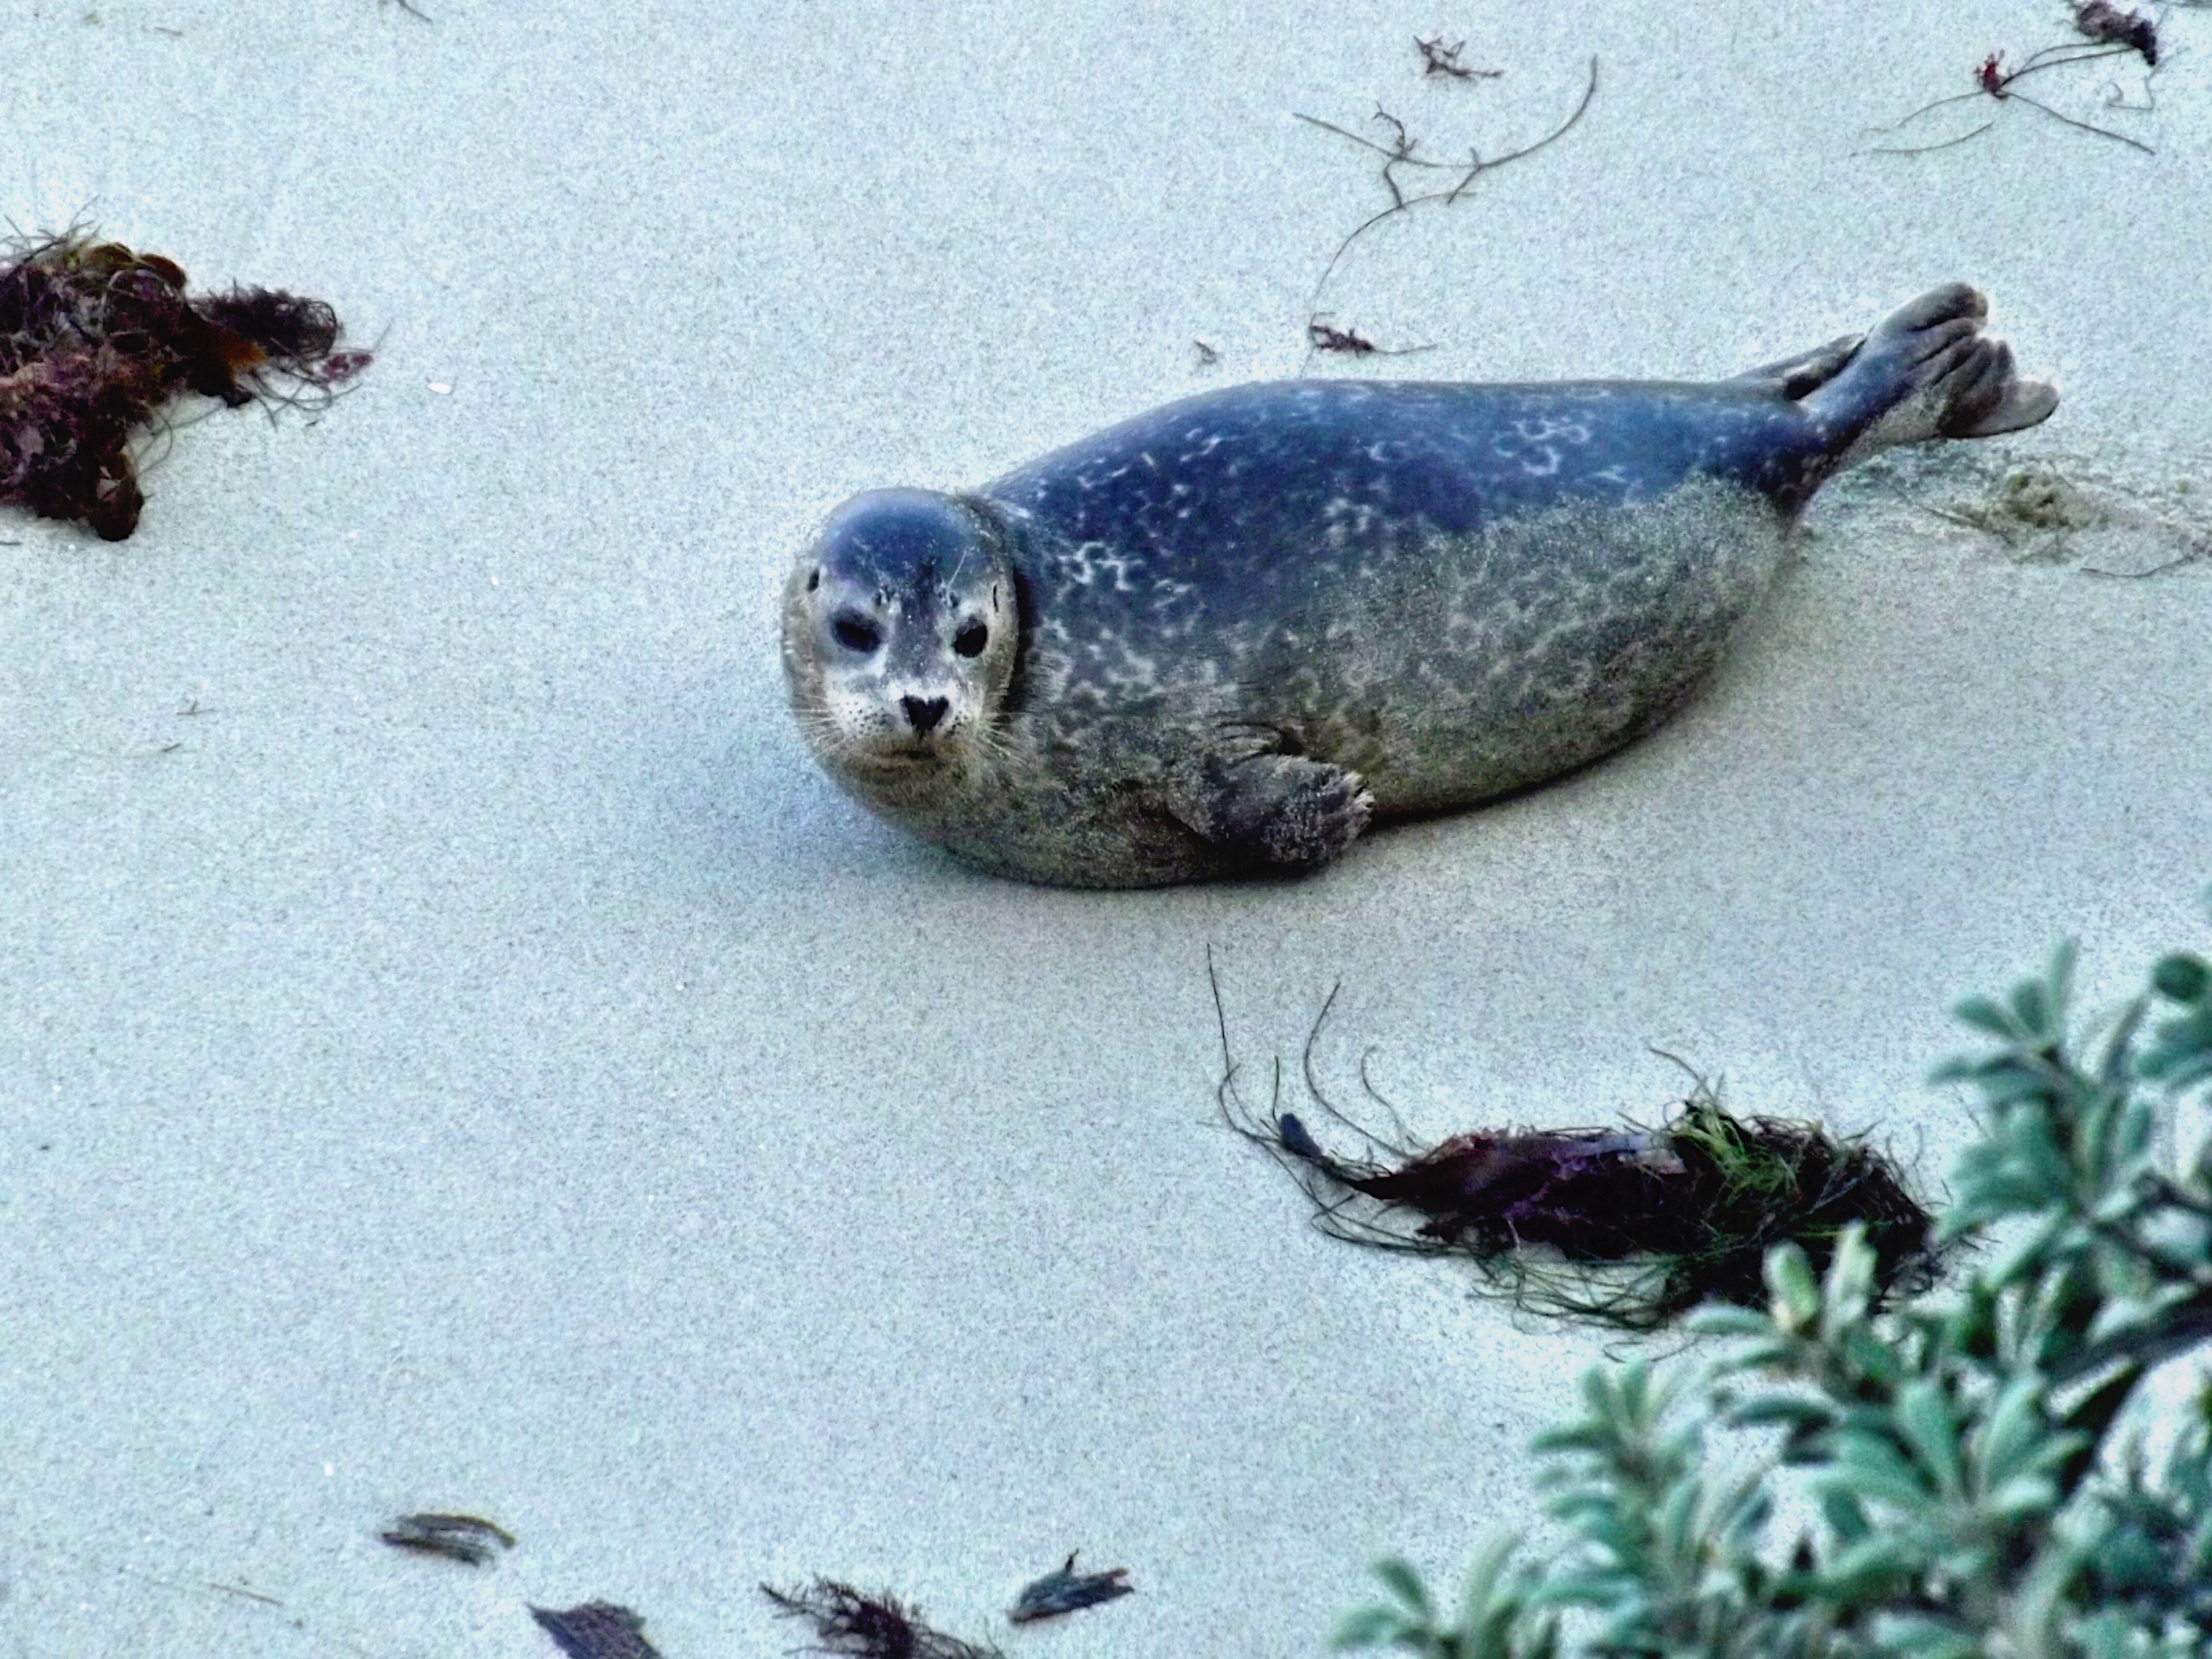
[[906, 757]]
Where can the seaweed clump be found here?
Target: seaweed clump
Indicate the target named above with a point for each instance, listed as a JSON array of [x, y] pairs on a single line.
[[2001, 1468], [846, 1621], [97, 340], [1629, 1227]]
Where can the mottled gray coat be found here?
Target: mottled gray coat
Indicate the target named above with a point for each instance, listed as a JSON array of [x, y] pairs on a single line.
[[1251, 619]]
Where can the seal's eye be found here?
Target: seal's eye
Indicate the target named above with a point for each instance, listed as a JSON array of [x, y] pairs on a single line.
[[856, 632], [970, 641], [813, 580]]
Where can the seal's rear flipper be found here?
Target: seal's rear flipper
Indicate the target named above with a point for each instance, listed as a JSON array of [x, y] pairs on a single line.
[[1925, 372], [1793, 377], [1988, 398]]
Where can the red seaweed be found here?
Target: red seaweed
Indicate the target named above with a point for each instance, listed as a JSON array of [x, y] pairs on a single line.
[[97, 341]]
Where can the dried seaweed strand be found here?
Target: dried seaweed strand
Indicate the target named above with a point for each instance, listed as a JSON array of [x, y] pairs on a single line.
[[1399, 152], [468, 1539], [596, 1630]]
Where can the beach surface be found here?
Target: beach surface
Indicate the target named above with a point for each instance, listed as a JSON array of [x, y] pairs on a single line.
[[456, 1051]]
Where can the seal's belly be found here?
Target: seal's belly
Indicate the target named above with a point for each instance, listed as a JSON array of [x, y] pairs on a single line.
[[1480, 664]]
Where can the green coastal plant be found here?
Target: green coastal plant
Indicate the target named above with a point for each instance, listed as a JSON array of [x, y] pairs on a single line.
[[1981, 1471]]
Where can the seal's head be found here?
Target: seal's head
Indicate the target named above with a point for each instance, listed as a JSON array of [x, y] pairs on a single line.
[[901, 628]]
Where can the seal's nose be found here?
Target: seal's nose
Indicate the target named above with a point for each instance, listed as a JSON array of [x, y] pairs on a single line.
[[923, 713]]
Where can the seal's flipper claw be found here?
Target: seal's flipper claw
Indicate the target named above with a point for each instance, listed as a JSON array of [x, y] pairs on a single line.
[[1950, 302]]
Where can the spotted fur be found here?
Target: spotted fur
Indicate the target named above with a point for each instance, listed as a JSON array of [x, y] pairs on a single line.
[[1218, 639]]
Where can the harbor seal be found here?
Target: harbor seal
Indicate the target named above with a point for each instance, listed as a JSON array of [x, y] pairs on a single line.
[[1217, 639]]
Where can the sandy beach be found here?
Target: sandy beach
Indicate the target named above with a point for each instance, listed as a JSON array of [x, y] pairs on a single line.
[[457, 1052]]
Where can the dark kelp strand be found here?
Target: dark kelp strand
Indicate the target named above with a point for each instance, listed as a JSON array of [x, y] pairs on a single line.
[[468, 1538], [868, 1626], [596, 1630], [1068, 1591], [1629, 1226]]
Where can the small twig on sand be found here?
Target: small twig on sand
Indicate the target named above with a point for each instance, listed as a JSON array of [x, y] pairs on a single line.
[[1399, 152]]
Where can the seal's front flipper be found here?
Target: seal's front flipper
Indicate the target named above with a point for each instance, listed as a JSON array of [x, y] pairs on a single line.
[[1279, 809]]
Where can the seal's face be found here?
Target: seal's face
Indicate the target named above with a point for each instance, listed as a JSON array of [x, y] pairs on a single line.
[[899, 633]]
